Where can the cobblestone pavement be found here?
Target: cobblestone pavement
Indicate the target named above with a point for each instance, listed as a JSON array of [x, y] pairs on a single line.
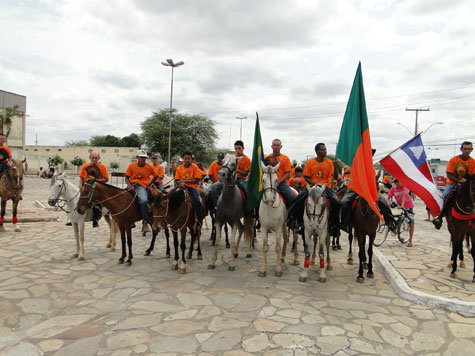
[[52, 304]]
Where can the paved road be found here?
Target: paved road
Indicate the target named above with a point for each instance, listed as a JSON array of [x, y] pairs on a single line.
[[51, 304]]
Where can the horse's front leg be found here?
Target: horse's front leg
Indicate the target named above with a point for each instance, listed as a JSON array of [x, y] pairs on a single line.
[[81, 241], [167, 237], [236, 244], [370, 273], [248, 235], [227, 235], [217, 239], [321, 253], [15, 218], [152, 242], [329, 265], [457, 245], [122, 242], [192, 242], [198, 243], [182, 269], [129, 244], [2, 216], [175, 245], [306, 265], [285, 235], [232, 266], [350, 251], [265, 247], [296, 245], [361, 255], [112, 234], [76, 239], [472, 252], [279, 234]]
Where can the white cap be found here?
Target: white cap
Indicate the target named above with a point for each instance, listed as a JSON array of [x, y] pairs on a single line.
[[141, 153]]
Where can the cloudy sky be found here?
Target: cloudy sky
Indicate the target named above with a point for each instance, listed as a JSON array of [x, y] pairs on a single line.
[[93, 67]]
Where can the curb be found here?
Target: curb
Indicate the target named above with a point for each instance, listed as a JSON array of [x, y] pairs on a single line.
[[399, 284]]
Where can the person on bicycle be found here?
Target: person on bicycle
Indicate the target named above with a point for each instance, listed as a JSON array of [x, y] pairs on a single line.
[[404, 200]]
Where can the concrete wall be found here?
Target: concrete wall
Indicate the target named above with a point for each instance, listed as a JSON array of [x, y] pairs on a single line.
[[37, 156]]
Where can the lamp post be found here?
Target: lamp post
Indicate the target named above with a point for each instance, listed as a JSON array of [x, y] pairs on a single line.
[[398, 123], [170, 63], [435, 123], [240, 130]]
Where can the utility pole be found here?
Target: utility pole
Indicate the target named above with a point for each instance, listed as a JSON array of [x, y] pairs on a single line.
[[416, 127], [240, 130]]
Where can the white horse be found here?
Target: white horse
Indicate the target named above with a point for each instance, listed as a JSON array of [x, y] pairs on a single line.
[[65, 195], [316, 228], [273, 216]]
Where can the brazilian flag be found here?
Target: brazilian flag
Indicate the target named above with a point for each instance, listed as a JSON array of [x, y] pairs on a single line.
[[254, 181]]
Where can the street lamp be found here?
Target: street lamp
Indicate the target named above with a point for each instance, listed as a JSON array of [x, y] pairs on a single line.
[[240, 130], [169, 63], [435, 123], [398, 123]]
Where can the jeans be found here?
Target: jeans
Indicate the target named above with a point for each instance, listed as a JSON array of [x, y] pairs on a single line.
[[159, 186], [286, 193], [196, 202], [216, 189], [142, 197], [447, 190]]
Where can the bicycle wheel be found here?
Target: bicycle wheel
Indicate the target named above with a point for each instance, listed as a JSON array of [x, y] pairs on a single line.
[[381, 234], [403, 231]]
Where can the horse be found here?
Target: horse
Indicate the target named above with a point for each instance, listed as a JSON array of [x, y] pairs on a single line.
[[123, 206], [461, 221], [316, 226], [206, 188], [273, 216], [65, 195], [175, 208], [11, 187], [230, 209]]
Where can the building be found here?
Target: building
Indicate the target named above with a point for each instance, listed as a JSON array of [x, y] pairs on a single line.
[[16, 139], [438, 169]]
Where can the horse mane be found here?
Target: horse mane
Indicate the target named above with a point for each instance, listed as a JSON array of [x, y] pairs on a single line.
[[176, 198], [110, 186], [316, 193]]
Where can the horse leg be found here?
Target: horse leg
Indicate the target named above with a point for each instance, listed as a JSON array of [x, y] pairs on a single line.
[[279, 234], [329, 262], [122, 241], [15, 219], [182, 269], [2, 216], [81, 241], [314, 252], [113, 234], [175, 245], [234, 229], [76, 238], [217, 227], [457, 245], [296, 250], [192, 242], [129, 244], [248, 229], [238, 242], [304, 274], [472, 252], [152, 243], [350, 252], [370, 273], [265, 248], [285, 234], [361, 255], [198, 243], [227, 237], [321, 254]]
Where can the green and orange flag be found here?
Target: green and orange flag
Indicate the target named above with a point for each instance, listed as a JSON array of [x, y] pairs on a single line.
[[354, 144], [254, 181]]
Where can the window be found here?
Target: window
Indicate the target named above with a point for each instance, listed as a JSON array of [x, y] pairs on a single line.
[[89, 150], [103, 150], [27, 149], [116, 150], [60, 149], [47, 150], [131, 150]]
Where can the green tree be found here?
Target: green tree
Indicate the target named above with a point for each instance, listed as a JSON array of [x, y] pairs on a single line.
[[6, 116], [105, 141], [78, 161], [114, 165], [73, 143], [133, 140], [195, 133], [57, 159]]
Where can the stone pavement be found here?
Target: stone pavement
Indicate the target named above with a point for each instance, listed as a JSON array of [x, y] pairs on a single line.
[[51, 304]]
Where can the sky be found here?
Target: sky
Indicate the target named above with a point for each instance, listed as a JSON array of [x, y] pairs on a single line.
[[94, 68]]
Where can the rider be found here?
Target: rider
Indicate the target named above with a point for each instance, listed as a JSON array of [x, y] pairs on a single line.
[[347, 202], [5, 155], [137, 177], [103, 178], [188, 175], [283, 174], [298, 181], [214, 167], [466, 148], [159, 172], [404, 200]]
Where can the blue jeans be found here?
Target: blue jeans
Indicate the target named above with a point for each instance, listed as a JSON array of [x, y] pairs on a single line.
[[195, 197], [159, 186], [216, 189], [447, 190], [142, 197], [286, 193]]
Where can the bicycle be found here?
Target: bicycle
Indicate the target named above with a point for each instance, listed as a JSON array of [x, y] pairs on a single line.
[[402, 229]]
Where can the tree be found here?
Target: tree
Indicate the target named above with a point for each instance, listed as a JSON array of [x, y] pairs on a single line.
[[133, 140], [57, 159], [77, 143], [114, 165], [195, 133], [6, 116], [78, 161]]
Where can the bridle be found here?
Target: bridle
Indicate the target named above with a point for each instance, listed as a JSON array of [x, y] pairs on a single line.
[[231, 173], [471, 195], [312, 215], [188, 209], [57, 200], [273, 191], [15, 186]]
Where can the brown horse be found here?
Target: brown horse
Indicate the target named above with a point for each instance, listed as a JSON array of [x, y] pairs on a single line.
[[11, 187], [461, 221], [175, 208], [122, 204]]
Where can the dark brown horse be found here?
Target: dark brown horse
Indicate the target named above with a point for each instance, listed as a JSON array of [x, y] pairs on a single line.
[[461, 221], [11, 187], [122, 204], [176, 209]]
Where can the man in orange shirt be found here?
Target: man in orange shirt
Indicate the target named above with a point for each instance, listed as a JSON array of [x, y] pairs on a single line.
[[137, 177], [5, 153], [214, 167], [466, 148], [188, 174], [94, 157], [283, 174], [298, 181], [159, 172]]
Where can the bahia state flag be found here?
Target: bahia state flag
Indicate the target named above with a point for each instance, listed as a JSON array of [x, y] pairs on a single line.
[[408, 164], [254, 181]]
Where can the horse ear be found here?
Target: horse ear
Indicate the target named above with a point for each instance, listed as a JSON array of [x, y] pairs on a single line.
[[276, 167], [263, 166], [24, 160], [53, 179]]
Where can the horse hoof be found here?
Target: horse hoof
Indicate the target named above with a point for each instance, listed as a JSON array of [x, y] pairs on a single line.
[[182, 271], [302, 279], [76, 255], [211, 266], [174, 267], [338, 247], [108, 246], [200, 257], [452, 275], [322, 279], [329, 267], [128, 263], [370, 275], [231, 268], [81, 259], [121, 260], [167, 255], [296, 263], [147, 253], [278, 273], [262, 274], [249, 255], [228, 246], [189, 256], [462, 264], [450, 264], [349, 261], [360, 280], [236, 255], [473, 280], [17, 229]]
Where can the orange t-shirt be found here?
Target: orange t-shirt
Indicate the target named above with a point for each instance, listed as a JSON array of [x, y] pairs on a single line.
[[159, 171], [140, 175], [6, 148], [244, 164], [285, 165], [295, 182], [213, 170], [292, 172], [192, 172], [103, 169], [469, 163], [319, 172]]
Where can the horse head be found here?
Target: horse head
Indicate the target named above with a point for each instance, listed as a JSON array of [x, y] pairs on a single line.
[[58, 188], [227, 173], [159, 209], [93, 171], [269, 182], [316, 203], [466, 195], [86, 195], [460, 170], [15, 173]]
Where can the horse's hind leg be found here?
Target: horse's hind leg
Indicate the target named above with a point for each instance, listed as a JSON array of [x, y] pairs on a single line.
[[285, 235], [81, 241], [370, 273], [76, 239], [472, 252], [129, 245], [227, 237], [177, 256], [2, 216], [15, 219], [457, 246], [182, 269], [122, 242], [167, 237], [236, 226], [296, 250], [350, 251], [217, 227], [362, 257]]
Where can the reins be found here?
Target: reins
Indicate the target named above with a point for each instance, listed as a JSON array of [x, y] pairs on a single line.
[[64, 201], [188, 209], [90, 195], [314, 215]]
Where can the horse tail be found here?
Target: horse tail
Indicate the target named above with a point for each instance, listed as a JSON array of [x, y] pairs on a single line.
[[248, 230]]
